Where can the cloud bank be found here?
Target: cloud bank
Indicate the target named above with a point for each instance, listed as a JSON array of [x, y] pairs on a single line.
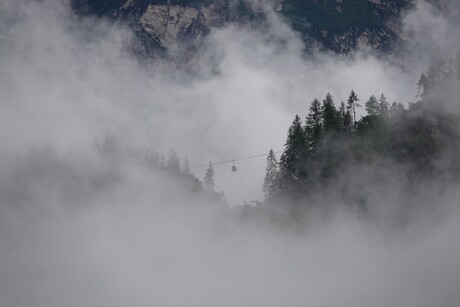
[[67, 81], [67, 240]]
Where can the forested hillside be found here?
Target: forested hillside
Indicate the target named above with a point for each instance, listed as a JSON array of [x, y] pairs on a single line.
[[357, 205], [358, 159], [81, 178]]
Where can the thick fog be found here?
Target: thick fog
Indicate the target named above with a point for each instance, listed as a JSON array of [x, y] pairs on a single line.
[[66, 82], [76, 230]]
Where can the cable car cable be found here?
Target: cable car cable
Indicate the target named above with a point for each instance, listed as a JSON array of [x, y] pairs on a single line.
[[233, 160]]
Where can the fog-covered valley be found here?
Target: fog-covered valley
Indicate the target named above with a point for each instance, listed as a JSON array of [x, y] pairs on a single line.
[[97, 210]]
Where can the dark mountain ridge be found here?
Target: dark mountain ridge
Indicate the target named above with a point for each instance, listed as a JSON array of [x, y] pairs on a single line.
[[340, 26]]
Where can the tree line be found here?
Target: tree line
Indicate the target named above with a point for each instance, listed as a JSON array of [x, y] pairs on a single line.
[[330, 141], [109, 148]]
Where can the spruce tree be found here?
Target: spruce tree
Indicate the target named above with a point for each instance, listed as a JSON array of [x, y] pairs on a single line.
[[270, 187], [197, 186], [293, 160], [314, 128], [372, 106], [331, 120], [347, 119], [329, 159], [352, 105], [384, 106], [396, 108], [173, 163], [209, 178]]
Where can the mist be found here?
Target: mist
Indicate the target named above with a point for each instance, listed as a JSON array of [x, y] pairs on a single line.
[[58, 71], [78, 230]]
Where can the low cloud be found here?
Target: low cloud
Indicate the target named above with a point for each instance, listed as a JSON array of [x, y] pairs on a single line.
[[67, 81], [83, 231]]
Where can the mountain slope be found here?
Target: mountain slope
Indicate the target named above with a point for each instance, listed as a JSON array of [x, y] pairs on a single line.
[[341, 26]]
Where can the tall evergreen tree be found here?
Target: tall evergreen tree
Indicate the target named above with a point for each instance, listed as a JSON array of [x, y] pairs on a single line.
[[384, 106], [396, 108], [372, 106], [347, 119], [446, 70], [197, 186], [331, 120], [293, 160], [314, 128], [352, 105], [209, 178], [173, 162], [270, 187]]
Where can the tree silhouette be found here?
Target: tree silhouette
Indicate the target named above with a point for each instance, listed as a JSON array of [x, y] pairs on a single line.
[[331, 120], [384, 106], [270, 187], [293, 159], [314, 127], [372, 106], [209, 183], [352, 105], [173, 163], [347, 119]]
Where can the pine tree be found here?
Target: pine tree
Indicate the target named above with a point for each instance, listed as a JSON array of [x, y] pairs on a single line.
[[384, 106], [314, 128], [209, 178], [331, 120], [197, 186], [372, 106], [293, 160], [347, 120], [270, 187], [428, 81], [396, 108], [173, 163], [447, 70], [352, 105]]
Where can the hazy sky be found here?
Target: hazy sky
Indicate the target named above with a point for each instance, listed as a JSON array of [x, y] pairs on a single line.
[[65, 82]]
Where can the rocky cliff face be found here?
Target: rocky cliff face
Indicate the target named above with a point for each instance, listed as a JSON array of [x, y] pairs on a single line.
[[341, 26], [168, 24]]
